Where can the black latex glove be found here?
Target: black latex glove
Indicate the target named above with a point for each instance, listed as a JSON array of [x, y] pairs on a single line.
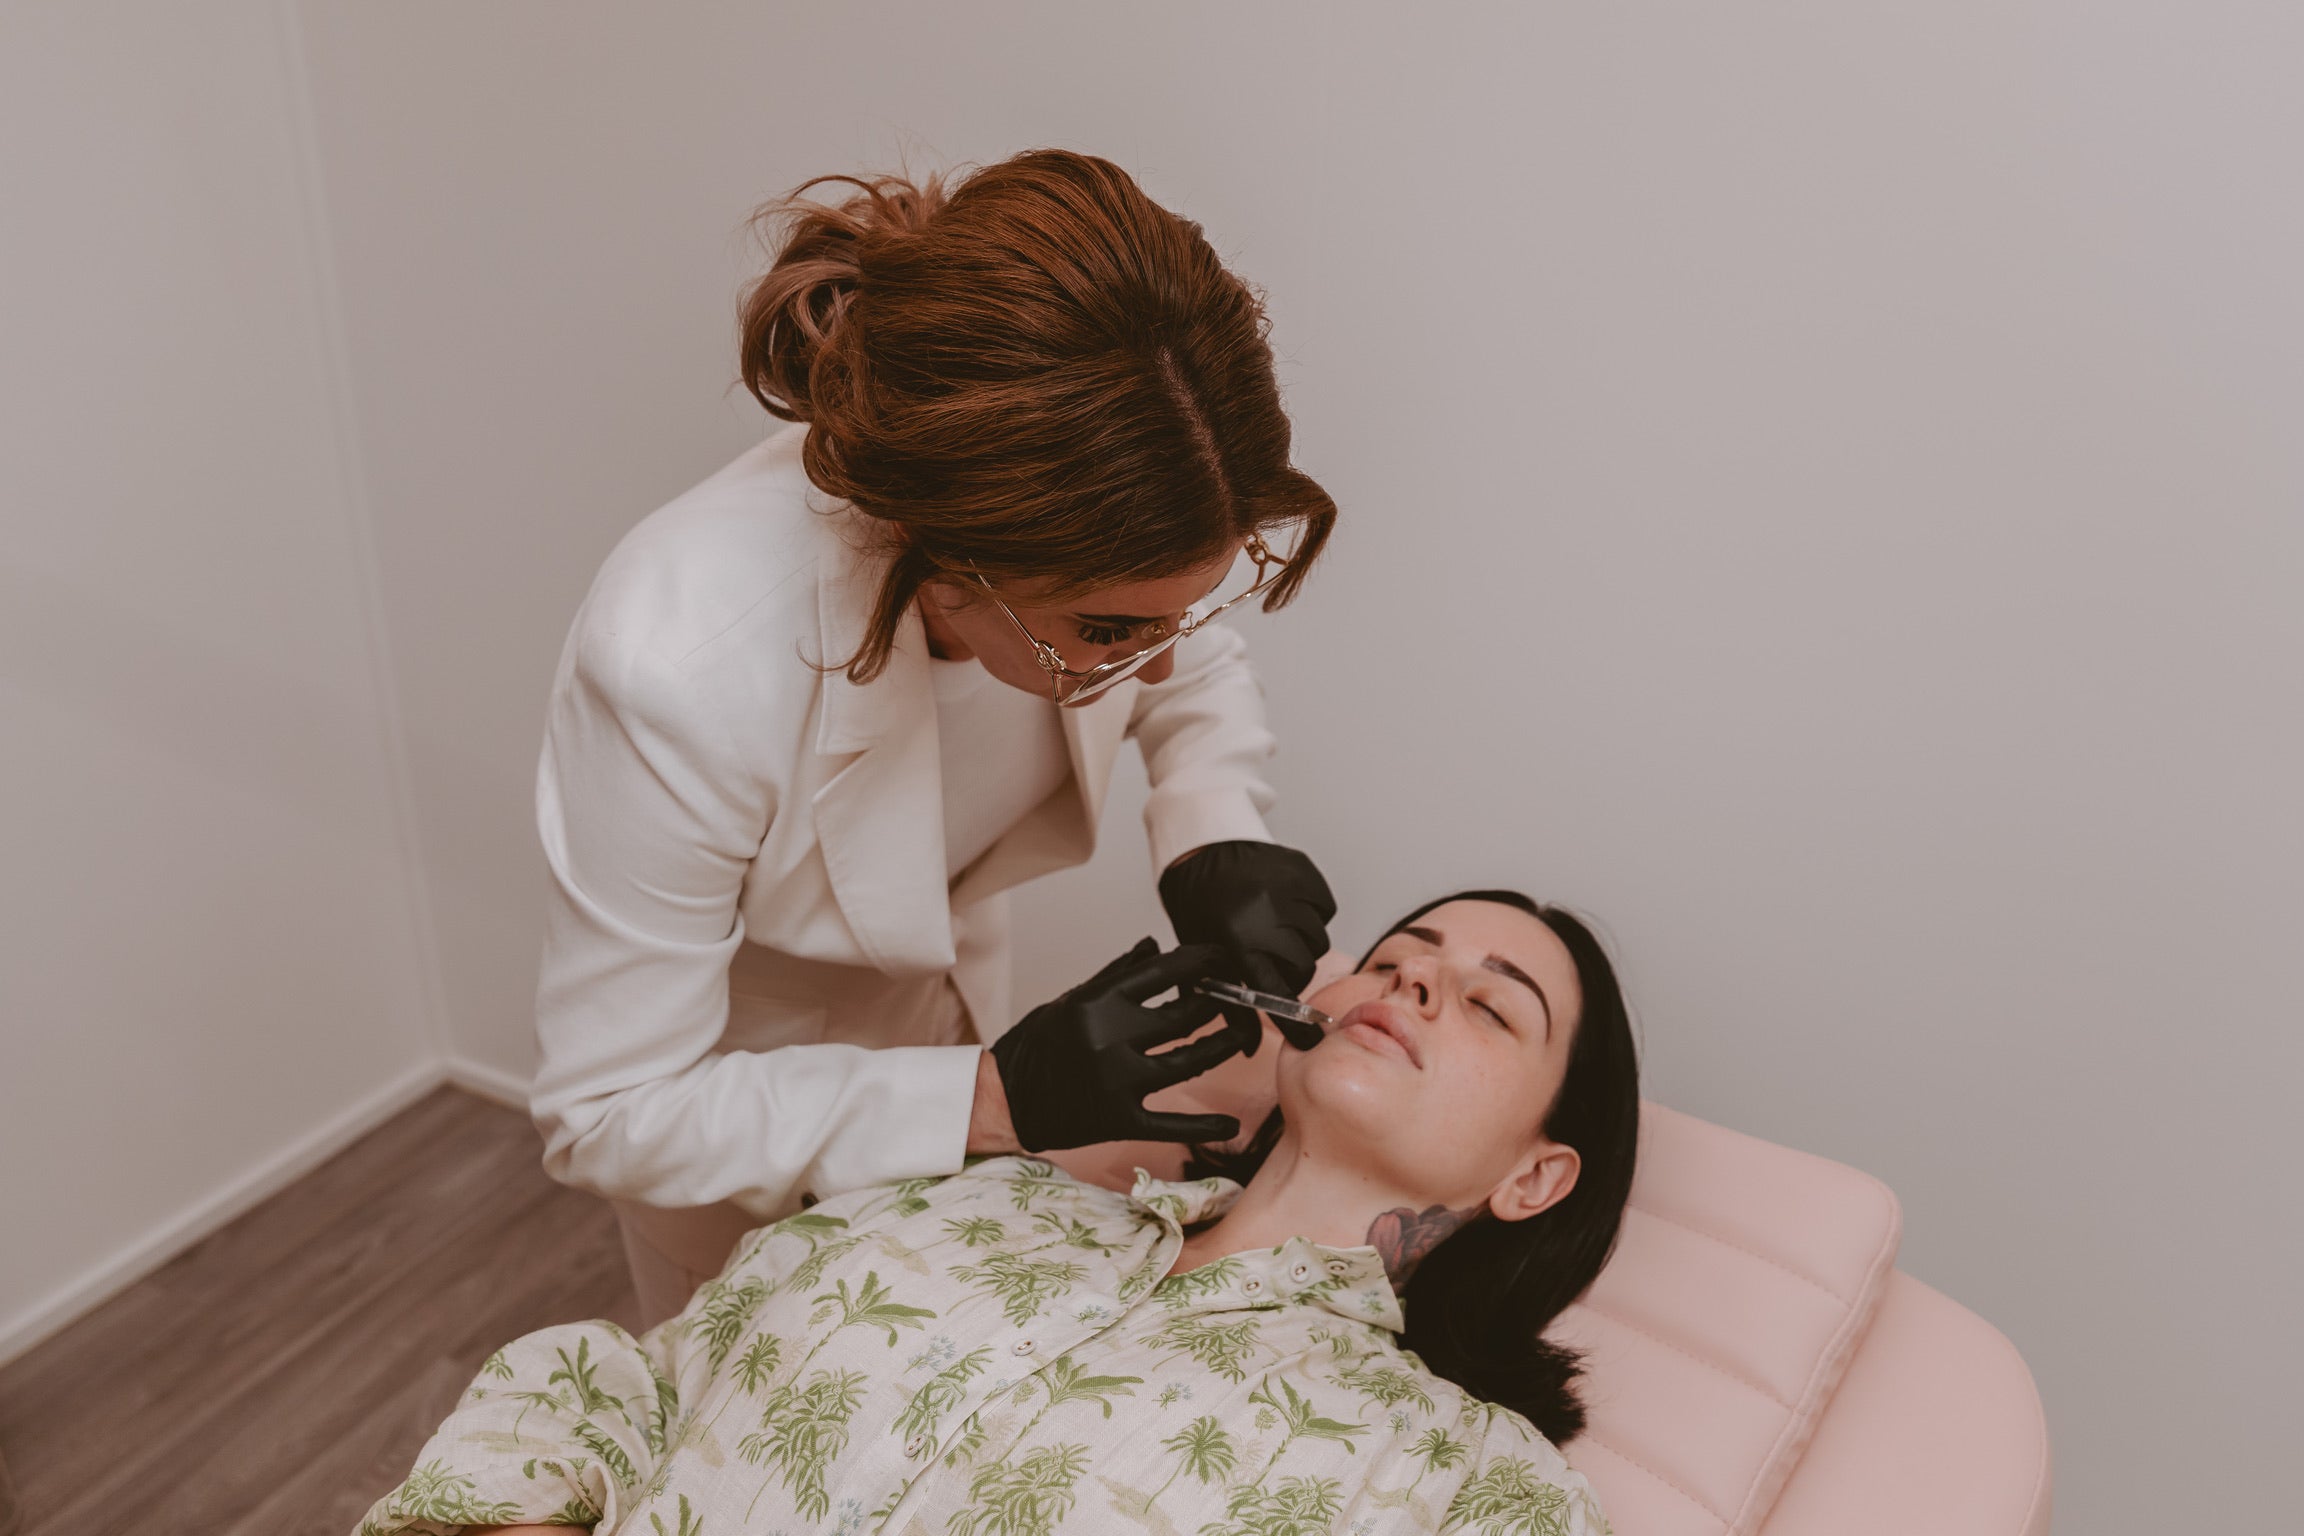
[[1075, 1071], [1265, 905]]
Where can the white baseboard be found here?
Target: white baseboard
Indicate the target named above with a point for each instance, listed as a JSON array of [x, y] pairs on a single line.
[[491, 1083], [100, 1283]]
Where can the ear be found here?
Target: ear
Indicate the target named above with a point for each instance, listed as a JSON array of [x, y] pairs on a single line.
[[1542, 1181]]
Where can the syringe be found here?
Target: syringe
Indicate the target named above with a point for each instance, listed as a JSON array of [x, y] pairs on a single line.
[[1300, 1024]]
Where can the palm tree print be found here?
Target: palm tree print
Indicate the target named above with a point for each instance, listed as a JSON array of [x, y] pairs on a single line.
[[1065, 1382], [1196, 1284], [721, 1311], [1009, 1355], [869, 1306], [579, 1510], [433, 1492], [810, 1271], [1204, 1449], [1029, 1498], [656, 1428], [1386, 1386], [975, 1231], [1295, 1410], [808, 1226], [1073, 1231], [595, 1439], [531, 1399], [1507, 1498], [802, 1432], [758, 1363], [1300, 1506], [1035, 1180], [909, 1196], [1023, 1285], [1222, 1347], [971, 1440], [1438, 1452], [577, 1373], [942, 1393]]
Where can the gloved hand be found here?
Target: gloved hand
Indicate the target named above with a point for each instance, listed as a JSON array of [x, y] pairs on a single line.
[[1266, 905], [1075, 1071]]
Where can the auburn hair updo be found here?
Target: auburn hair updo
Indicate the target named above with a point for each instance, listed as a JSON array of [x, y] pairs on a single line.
[[1035, 371]]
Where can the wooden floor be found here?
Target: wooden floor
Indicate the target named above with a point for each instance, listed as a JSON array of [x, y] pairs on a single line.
[[279, 1376]]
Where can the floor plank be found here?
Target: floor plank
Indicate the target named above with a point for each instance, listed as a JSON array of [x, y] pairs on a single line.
[[282, 1374]]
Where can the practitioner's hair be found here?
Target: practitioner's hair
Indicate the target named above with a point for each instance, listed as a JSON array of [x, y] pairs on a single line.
[[1478, 1304], [1034, 371]]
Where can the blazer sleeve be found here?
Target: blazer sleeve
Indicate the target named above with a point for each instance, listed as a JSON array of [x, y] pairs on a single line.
[[650, 819], [1205, 745]]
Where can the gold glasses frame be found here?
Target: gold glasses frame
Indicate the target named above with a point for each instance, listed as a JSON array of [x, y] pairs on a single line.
[[1104, 676]]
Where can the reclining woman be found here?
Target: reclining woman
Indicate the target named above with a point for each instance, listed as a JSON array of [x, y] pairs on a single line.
[[1009, 1350]]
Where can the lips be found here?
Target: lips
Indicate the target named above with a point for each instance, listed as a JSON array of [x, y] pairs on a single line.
[[1389, 1023]]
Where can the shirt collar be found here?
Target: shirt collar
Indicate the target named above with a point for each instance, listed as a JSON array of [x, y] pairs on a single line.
[[1350, 1282]]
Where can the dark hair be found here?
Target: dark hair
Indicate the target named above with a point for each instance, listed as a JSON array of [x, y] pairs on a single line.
[[1478, 1304], [1037, 372]]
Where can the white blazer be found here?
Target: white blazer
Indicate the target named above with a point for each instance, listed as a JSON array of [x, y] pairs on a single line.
[[757, 981]]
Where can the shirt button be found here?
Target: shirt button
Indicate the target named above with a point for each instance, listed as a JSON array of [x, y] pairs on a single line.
[[1252, 1286], [918, 1446], [1023, 1347], [1299, 1272], [1337, 1266]]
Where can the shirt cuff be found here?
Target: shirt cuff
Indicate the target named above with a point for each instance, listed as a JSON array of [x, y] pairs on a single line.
[[1179, 825], [927, 1135]]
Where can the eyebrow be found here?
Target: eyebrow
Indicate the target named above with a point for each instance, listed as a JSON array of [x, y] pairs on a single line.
[[1134, 620], [1131, 620], [1499, 965]]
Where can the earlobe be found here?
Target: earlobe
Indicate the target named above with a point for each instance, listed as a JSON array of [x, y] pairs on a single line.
[[1539, 1184]]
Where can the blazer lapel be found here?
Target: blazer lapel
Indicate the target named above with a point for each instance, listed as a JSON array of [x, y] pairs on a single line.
[[1061, 832], [880, 819]]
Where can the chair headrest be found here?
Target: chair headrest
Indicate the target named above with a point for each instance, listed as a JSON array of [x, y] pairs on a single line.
[[1744, 1278]]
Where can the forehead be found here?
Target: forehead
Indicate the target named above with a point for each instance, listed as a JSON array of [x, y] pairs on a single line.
[[1152, 595], [1477, 929]]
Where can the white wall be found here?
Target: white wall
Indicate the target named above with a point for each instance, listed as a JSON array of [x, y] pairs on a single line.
[[1821, 492], [209, 969]]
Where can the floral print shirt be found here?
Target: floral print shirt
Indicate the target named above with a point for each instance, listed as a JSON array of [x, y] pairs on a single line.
[[1000, 1353]]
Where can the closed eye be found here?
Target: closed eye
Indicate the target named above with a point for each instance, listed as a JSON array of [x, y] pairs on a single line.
[[1492, 1013], [1106, 634]]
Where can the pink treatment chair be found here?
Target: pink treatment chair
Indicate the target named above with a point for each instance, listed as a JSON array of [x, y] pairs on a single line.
[[1758, 1366]]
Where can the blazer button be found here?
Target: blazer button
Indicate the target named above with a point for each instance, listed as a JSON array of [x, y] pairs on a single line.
[[1023, 1347]]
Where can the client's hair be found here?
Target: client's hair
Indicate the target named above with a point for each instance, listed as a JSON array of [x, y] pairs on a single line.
[[1478, 1304]]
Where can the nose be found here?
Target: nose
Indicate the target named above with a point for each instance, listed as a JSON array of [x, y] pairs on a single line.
[[1160, 668], [1418, 980]]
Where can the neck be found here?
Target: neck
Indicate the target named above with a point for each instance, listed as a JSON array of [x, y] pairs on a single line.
[[1297, 1195]]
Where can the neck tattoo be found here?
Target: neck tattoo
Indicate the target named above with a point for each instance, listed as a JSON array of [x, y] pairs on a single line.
[[1403, 1236]]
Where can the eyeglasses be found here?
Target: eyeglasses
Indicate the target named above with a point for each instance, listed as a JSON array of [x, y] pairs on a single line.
[[1071, 688]]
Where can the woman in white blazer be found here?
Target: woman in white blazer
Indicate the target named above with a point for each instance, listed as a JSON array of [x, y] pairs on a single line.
[[818, 713]]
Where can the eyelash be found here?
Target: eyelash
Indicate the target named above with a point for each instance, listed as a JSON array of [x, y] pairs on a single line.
[[1476, 1002], [1105, 634]]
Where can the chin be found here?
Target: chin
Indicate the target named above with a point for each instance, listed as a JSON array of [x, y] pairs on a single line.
[[1344, 1087]]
